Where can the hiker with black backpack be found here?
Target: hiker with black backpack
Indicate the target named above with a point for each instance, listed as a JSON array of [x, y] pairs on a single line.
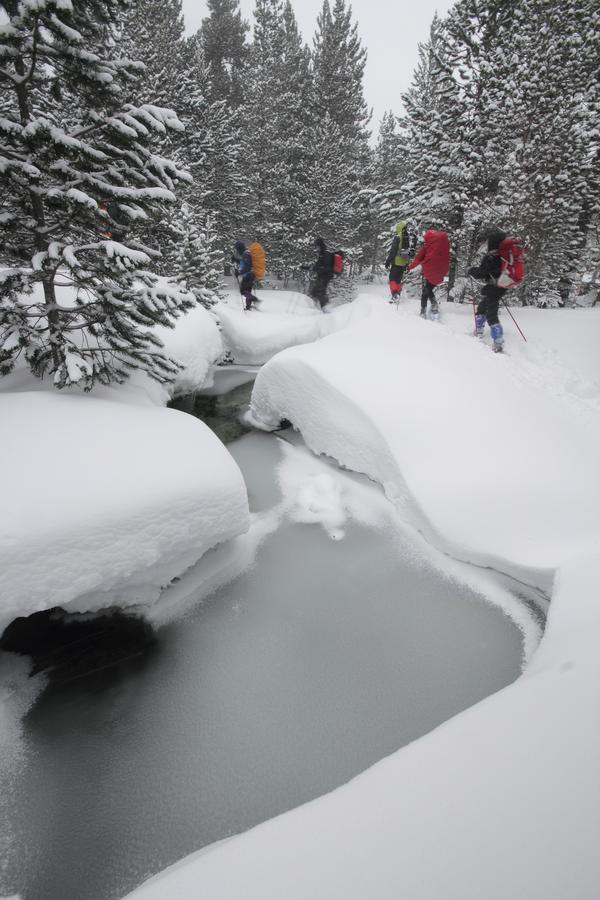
[[501, 268], [322, 273], [401, 252]]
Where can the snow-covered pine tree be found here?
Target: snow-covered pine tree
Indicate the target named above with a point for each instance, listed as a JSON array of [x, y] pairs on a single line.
[[551, 183], [199, 261], [275, 135], [436, 188], [223, 38], [521, 149], [383, 200], [208, 146], [212, 149], [154, 35], [338, 100], [78, 176]]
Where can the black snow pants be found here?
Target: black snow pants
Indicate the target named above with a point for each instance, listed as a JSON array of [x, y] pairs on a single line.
[[428, 294], [491, 295], [319, 286], [246, 285]]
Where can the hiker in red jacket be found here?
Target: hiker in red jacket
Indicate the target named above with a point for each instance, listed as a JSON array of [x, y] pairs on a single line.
[[434, 259]]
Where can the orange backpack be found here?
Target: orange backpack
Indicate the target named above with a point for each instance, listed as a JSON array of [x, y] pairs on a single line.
[[259, 266]]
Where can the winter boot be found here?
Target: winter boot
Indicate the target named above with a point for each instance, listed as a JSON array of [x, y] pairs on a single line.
[[395, 297], [479, 325], [423, 312], [497, 337], [434, 312]]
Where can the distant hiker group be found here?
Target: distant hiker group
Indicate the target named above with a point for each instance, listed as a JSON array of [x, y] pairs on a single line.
[[250, 268], [501, 268]]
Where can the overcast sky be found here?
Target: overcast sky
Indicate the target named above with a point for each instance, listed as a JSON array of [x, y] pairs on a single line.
[[389, 29]]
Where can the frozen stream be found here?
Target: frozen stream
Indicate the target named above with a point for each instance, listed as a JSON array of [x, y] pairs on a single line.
[[318, 660]]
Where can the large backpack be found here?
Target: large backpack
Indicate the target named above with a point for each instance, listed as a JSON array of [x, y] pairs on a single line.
[[513, 263], [337, 262], [259, 265]]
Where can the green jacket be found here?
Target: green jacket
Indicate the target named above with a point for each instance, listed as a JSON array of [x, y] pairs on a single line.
[[399, 251]]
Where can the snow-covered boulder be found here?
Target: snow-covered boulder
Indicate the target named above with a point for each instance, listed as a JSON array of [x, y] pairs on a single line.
[[106, 501], [490, 466]]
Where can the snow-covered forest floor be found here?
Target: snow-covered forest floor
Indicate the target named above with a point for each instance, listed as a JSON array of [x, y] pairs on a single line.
[[493, 458]]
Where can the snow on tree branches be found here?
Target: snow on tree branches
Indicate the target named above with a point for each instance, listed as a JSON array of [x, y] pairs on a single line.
[[79, 176]]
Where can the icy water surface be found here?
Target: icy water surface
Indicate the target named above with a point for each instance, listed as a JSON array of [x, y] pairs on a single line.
[[318, 661]]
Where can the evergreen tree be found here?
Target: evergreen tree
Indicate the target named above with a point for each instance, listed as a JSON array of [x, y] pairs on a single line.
[[223, 40], [199, 259], [339, 131], [276, 148], [384, 200], [208, 146], [551, 183], [78, 176], [154, 34], [339, 63]]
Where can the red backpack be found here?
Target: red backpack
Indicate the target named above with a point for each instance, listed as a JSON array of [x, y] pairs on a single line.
[[513, 263], [337, 262]]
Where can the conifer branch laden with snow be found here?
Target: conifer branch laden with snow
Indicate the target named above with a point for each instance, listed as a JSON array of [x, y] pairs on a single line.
[[79, 176]]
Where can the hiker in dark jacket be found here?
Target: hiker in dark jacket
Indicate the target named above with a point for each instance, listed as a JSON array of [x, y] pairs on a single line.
[[244, 270], [489, 270], [321, 272], [401, 252]]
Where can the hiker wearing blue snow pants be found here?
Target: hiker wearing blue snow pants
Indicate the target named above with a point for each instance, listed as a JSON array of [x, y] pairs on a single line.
[[489, 270]]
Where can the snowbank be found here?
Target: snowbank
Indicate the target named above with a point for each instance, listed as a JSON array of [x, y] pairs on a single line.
[[284, 319], [491, 466], [195, 342], [501, 801], [106, 502]]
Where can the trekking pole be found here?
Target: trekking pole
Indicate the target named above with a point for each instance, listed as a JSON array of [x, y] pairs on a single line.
[[514, 320], [236, 276]]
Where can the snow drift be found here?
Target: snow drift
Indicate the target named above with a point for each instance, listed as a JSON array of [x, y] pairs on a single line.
[[107, 501], [478, 457]]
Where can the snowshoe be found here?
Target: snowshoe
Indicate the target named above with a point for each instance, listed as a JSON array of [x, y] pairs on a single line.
[[497, 348]]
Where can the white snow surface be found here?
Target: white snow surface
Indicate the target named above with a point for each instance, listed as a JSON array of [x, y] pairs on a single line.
[[495, 458], [480, 451], [283, 319], [110, 495], [108, 501]]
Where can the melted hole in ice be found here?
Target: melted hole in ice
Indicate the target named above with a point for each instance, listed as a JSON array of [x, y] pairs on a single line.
[[66, 646]]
